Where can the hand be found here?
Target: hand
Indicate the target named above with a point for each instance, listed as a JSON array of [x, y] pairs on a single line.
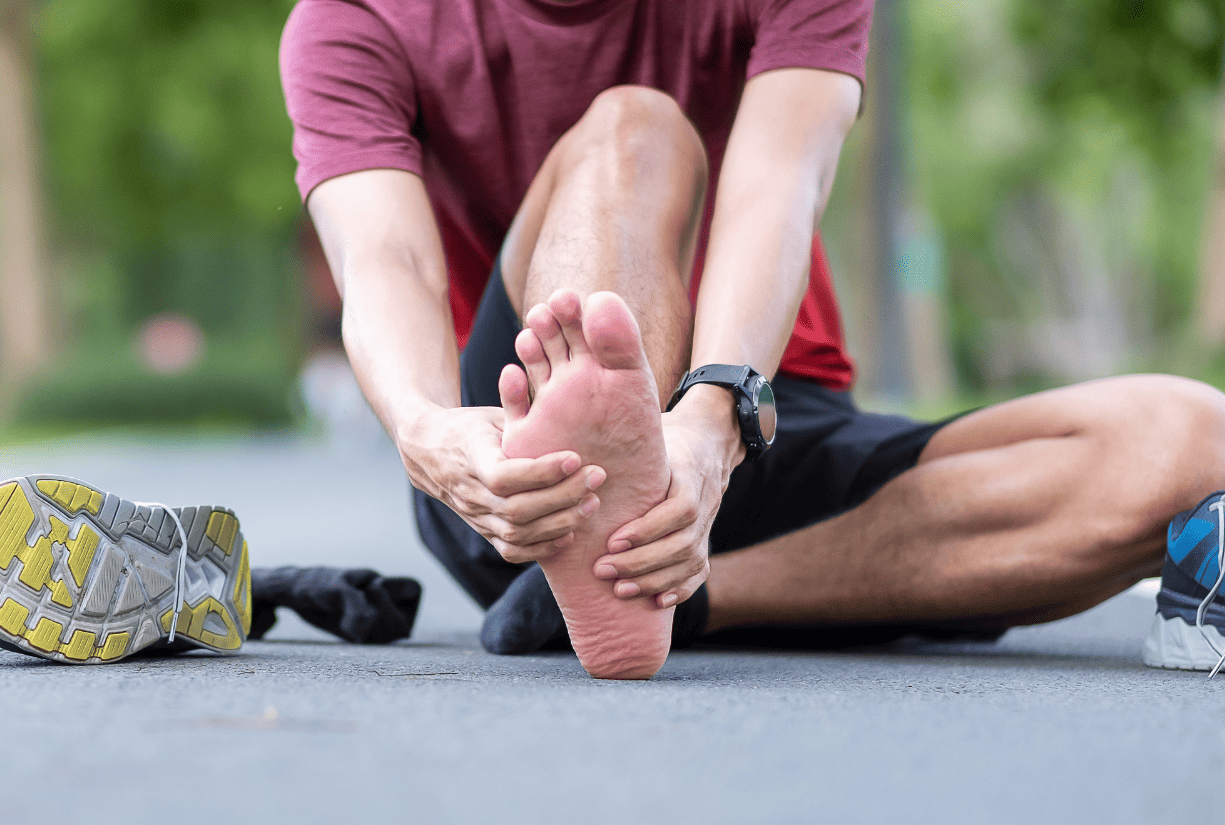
[[528, 509], [665, 553]]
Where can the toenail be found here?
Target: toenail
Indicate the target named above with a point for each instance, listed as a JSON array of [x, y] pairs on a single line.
[[606, 571], [627, 590]]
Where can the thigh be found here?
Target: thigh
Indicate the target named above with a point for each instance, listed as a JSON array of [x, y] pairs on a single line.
[[828, 457]]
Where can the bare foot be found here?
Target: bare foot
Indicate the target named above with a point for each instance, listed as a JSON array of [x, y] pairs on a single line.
[[596, 395]]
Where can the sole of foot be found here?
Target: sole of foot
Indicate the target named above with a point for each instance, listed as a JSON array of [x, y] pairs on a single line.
[[595, 394], [87, 577]]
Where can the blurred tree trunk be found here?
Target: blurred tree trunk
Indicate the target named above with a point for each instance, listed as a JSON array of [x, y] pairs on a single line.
[[24, 322], [1210, 318]]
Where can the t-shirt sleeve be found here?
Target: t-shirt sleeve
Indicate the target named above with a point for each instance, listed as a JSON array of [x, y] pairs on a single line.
[[349, 92], [811, 34]]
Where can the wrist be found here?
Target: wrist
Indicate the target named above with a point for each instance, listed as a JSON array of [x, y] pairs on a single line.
[[416, 432], [712, 410]]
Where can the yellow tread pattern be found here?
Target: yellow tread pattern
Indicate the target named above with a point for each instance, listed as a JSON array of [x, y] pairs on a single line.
[[191, 624], [46, 635], [242, 591], [71, 496], [37, 560], [60, 594], [116, 645], [81, 553], [13, 617], [16, 519], [222, 529], [80, 646]]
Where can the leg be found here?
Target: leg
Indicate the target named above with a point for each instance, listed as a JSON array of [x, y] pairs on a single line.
[[611, 216], [616, 206], [1026, 512]]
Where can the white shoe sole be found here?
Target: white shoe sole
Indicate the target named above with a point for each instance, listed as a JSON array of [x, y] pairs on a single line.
[[1175, 645], [88, 577]]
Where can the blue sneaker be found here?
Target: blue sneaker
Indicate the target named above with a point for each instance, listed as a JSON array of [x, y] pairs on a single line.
[[1188, 628]]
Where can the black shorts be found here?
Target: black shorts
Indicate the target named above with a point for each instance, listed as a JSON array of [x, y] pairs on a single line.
[[828, 457]]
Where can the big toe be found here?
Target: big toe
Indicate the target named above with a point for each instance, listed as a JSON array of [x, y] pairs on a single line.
[[612, 333]]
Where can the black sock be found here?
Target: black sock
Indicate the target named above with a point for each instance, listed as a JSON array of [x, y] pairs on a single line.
[[525, 618], [358, 605], [689, 621]]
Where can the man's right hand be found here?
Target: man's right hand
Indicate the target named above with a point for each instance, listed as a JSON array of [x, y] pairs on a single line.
[[528, 509]]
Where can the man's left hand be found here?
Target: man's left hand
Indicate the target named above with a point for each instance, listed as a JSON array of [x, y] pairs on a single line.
[[665, 553]]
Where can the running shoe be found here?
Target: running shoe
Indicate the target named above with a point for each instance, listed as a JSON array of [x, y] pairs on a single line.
[[89, 577], [1189, 628]]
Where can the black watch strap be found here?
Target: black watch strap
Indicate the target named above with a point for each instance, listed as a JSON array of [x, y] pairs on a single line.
[[721, 375]]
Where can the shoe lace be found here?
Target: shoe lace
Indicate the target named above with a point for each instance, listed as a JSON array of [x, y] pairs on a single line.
[[1219, 506], [181, 573]]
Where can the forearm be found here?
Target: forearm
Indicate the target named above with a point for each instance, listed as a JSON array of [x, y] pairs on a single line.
[[756, 274], [399, 338], [384, 250], [777, 174]]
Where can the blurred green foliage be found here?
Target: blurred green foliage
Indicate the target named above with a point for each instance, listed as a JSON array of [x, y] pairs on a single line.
[[171, 180], [1052, 124]]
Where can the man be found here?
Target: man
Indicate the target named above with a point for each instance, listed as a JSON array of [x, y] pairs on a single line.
[[607, 160]]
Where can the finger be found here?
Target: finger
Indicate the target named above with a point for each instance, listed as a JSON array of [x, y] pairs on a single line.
[[512, 389], [518, 554], [540, 320], [568, 310], [507, 476], [531, 353], [548, 527], [667, 517], [677, 595], [526, 507], [667, 552], [660, 581]]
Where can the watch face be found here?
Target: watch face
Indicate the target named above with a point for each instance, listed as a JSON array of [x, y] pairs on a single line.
[[767, 417]]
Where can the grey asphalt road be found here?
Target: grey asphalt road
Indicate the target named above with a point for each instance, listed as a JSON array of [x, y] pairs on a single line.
[[1053, 724]]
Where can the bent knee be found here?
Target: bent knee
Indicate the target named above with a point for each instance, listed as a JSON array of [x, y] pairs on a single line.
[[1171, 433], [640, 127]]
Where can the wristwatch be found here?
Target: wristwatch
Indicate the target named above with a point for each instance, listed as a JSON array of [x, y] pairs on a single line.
[[754, 402]]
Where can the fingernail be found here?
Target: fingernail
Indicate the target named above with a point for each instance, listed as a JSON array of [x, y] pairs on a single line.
[[668, 600], [589, 505], [619, 546], [627, 590], [564, 542], [571, 464], [606, 571], [595, 478]]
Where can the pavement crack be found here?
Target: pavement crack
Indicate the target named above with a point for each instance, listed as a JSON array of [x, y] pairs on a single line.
[[411, 675]]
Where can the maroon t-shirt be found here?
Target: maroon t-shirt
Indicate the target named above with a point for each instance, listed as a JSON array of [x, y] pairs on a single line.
[[472, 94]]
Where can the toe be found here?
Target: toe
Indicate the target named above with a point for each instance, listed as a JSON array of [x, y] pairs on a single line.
[[612, 332], [512, 387], [531, 353], [568, 310], [540, 320]]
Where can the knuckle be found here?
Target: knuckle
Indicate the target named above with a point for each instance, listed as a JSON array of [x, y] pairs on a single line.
[[513, 512], [689, 510]]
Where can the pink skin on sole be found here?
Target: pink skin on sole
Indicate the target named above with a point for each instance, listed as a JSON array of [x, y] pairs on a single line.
[[594, 394]]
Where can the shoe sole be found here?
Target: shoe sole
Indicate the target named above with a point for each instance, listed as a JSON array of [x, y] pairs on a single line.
[[89, 577], [1175, 645]]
